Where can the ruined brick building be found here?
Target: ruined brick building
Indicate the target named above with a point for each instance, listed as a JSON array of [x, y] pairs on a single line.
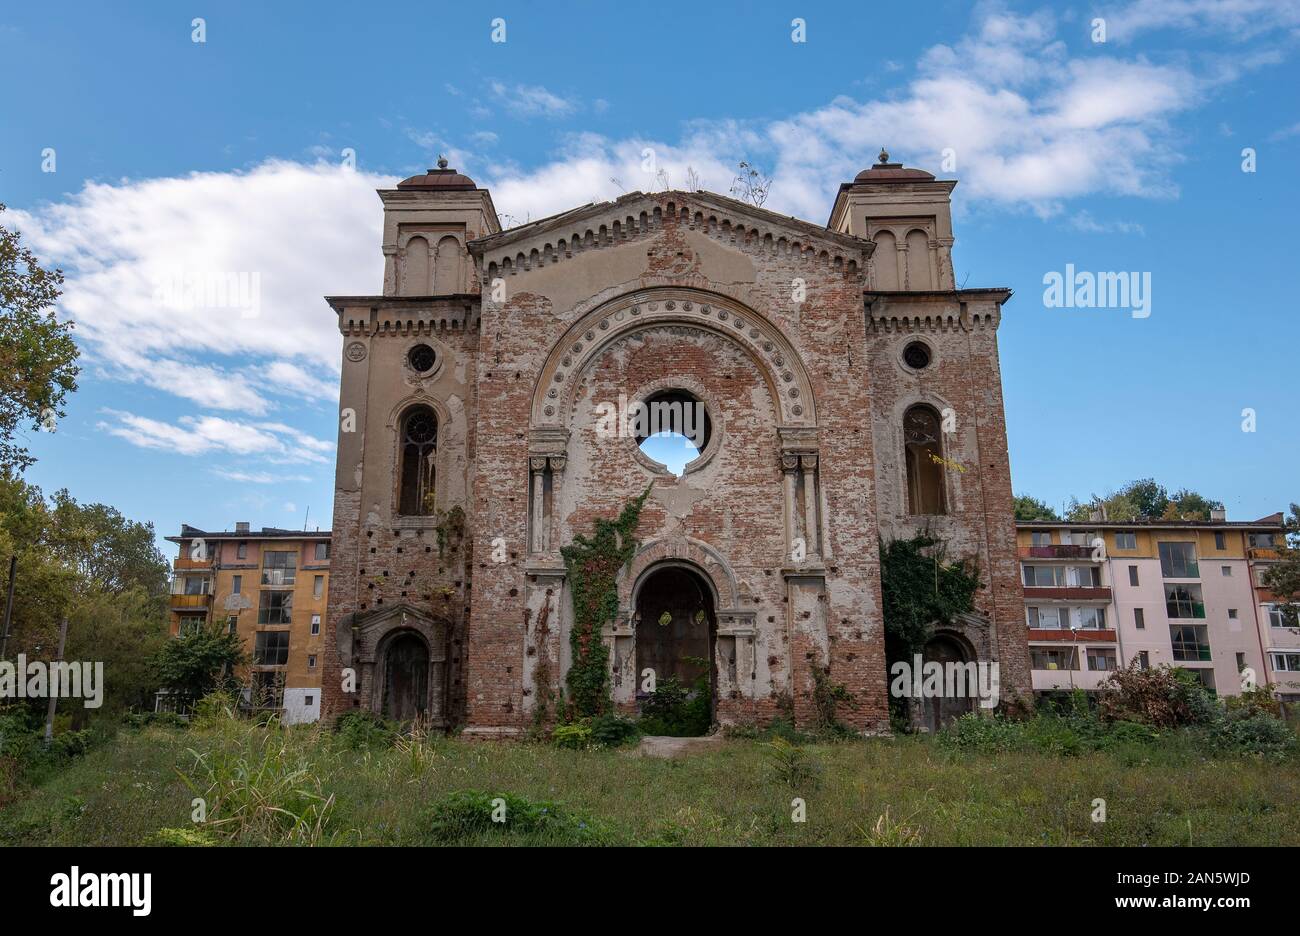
[[851, 393]]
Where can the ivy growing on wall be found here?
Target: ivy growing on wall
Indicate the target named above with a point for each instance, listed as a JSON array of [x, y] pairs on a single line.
[[593, 565], [920, 588]]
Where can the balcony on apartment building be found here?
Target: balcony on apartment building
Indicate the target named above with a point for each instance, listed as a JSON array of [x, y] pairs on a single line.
[[1055, 551], [187, 564], [190, 602]]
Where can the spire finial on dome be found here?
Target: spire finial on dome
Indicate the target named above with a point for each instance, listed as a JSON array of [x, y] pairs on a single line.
[[884, 156], [442, 161]]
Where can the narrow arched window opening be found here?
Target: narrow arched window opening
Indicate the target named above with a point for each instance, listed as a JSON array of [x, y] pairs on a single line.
[[925, 464], [419, 450]]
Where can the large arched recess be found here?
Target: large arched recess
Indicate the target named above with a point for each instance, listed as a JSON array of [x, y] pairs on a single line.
[[611, 321]]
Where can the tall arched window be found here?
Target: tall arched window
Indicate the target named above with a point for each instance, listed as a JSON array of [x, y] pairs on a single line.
[[419, 449], [924, 449]]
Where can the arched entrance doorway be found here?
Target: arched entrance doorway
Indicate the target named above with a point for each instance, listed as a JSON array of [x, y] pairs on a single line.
[[406, 678], [942, 710], [676, 628]]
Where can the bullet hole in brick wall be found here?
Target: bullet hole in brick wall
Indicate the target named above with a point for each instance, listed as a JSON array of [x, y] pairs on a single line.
[[514, 592], [363, 571], [770, 618], [509, 670], [428, 549], [370, 585], [806, 615], [399, 549], [773, 660], [514, 555], [370, 533], [850, 656], [385, 573], [767, 571], [821, 597], [808, 655], [403, 594], [372, 550]]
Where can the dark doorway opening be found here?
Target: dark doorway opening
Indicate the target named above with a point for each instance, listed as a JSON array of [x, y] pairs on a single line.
[[675, 637], [406, 678], [943, 711]]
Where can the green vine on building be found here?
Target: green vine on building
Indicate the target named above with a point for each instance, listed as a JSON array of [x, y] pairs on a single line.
[[920, 588], [593, 565]]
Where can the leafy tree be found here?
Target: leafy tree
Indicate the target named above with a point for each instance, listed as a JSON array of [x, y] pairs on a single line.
[[1188, 505], [1031, 508], [194, 664], [1283, 577], [37, 353], [1144, 499], [919, 589], [93, 566]]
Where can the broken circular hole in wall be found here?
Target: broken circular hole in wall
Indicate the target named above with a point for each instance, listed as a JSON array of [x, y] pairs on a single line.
[[675, 428], [917, 355]]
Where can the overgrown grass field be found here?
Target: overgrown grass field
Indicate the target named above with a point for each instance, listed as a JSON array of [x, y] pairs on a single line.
[[274, 785]]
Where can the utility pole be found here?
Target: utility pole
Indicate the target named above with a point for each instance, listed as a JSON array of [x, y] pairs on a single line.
[[9, 605], [51, 686]]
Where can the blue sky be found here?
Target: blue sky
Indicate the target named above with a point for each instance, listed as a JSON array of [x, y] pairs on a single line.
[[173, 156]]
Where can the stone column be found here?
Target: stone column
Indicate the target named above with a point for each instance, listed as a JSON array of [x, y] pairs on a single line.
[[811, 526], [789, 465], [537, 468]]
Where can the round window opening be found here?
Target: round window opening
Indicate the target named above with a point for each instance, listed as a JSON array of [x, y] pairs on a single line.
[[916, 356], [672, 427], [421, 358]]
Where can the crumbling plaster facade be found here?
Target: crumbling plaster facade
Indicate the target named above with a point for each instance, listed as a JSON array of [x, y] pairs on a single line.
[[777, 326]]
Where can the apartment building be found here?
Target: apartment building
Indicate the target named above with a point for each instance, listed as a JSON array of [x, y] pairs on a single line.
[[270, 587], [1182, 593]]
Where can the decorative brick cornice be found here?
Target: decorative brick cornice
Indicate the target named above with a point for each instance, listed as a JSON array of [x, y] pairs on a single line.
[[638, 215], [405, 316]]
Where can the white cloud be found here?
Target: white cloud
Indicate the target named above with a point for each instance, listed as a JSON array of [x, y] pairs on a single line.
[[532, 100], [1084, 221], [299, 231], [203, 435], [258, 477], [1235, 19]]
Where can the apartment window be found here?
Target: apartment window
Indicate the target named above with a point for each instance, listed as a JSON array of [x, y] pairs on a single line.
[[190, 624], [1041, 537], [1184, 601], [1260, 540], [1126, 540], [318, 586], [1205, 675], [1053, 658], [1144, 659], [1091, 618], [237, 584], [923, 451], [1178, 560], [1286, 662], [232, 623], [315, 623], [271, 648], [1133, 575], [1277, 616], [1048, 617], [1101, 660], [1232, 614], [1140, 618], [1241, 662], [279, 568], [1219, 542], [322, 551], [308, 700], [267, 690], [275, 607], [1226, 570], [196, 585], [241, 551], [1083, 577], [1189, 642], [311, 661], [1039, 576]]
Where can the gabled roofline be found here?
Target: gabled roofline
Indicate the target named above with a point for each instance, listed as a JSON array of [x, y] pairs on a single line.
[[481, 245]]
